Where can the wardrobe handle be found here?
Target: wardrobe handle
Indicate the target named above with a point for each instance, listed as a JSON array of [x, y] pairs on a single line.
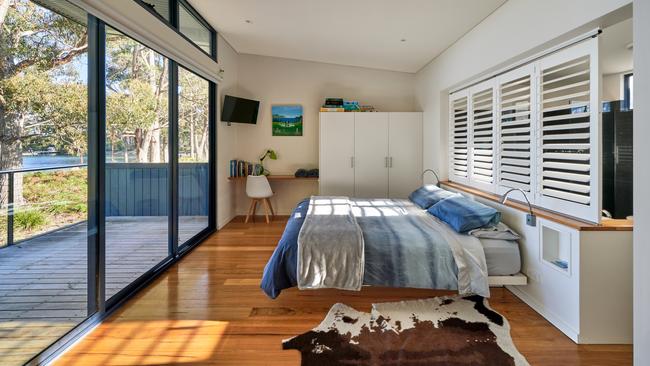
[[390, 162], [386, 162], [351, 161]]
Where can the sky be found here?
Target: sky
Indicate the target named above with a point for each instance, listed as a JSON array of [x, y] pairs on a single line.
[[287, 110]]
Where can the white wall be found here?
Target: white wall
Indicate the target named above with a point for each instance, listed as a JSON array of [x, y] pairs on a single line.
[[641, 179], [516, 29], [274, 80], [611, 90], [226, 137]]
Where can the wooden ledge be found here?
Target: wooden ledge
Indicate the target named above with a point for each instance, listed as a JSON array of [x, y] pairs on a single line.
[[605, 225], [277, 177]]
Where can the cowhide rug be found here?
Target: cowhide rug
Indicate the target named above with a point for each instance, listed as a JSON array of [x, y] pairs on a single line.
[[440, 331]]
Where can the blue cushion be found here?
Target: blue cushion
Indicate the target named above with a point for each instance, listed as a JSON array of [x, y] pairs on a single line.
[[464, 214], [428, 195]]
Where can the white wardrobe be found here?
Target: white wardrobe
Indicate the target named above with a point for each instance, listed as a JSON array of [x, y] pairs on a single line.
[[370, 155]]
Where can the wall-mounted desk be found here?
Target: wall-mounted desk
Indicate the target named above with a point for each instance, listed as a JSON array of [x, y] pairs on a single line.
[[278, 177]]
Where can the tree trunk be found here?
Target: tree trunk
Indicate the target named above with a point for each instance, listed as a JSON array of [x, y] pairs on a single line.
[[10, 155]]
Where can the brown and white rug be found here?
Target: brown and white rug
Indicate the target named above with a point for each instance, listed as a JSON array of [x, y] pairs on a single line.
[[440, 331]]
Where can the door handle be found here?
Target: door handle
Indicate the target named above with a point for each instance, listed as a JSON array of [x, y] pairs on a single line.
[[390, 162], [351, 161], [386, 162]]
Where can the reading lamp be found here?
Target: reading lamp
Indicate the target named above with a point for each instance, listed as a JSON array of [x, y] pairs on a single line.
[[531, 219], [434, 173]]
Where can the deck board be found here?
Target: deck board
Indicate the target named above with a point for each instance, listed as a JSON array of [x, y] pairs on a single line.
[[43, 281]]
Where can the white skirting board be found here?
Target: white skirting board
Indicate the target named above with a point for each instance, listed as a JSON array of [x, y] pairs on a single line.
[[517, 279]]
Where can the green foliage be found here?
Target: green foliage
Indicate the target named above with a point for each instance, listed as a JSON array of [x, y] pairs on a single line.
[[28, 220]]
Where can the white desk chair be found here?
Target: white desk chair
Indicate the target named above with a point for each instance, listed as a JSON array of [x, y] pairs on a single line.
[[258, 190]]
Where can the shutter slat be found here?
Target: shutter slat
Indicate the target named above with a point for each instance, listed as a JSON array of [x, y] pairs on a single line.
[[566, 196], [566, 116], [482, 122]]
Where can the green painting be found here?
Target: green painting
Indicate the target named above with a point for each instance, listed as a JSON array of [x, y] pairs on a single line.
[[287, 120]]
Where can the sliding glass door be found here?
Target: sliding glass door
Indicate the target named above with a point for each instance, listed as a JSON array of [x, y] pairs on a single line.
[[43, 185], [136, 160], [107, 160], [193, 154]]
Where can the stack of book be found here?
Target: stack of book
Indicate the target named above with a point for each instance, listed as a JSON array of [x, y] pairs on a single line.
[[340, 105], [240, 168], [333, 105]]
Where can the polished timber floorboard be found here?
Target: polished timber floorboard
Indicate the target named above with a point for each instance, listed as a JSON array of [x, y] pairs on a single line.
[[208, 310]]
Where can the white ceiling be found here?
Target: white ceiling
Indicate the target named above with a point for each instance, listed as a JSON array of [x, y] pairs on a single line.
[[615, 57], [365, 33]]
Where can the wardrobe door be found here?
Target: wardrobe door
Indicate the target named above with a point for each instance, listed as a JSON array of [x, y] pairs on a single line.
[[337, 154], [405, 153], [371, 155]]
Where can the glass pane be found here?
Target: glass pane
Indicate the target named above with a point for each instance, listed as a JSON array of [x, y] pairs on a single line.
[[159, 6], [43, 179], [136, 160], [193, 29], [193, 149]]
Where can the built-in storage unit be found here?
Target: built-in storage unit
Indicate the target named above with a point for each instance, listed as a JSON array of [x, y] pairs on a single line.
[[579, 274], [370, 155]]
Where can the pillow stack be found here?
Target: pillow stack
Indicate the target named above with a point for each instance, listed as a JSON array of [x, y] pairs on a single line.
[[428, 195], [459, 212]]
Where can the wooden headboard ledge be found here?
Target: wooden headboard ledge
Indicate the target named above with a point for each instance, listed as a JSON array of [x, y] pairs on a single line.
[[606, 225]]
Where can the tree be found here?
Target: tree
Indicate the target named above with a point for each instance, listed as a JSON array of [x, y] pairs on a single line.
[[193, 117], [33, 42], [137, 108]]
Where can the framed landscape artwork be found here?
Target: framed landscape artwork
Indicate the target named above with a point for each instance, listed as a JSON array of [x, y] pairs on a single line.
[[287, 120]]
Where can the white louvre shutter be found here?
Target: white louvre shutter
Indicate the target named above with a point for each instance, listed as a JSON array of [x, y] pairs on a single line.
[[568, 131], [516, 124], [482, 136], [460, 137]]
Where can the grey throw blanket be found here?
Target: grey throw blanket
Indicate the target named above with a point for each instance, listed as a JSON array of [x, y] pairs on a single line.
[[330, 246]]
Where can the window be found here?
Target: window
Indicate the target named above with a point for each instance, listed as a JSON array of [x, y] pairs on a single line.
[[628, 92], [161, 7], [194, 28], [181, 16], [137, 160], [193, 154], [105, 162], [43, 176], [547, 130]]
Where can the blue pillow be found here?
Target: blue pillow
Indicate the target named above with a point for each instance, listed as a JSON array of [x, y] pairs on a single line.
[[464, 214], [428, 195]]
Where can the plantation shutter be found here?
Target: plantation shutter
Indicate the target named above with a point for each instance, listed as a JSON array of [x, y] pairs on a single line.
[[459, 136], [516, 142], [482, 136], [568, 131]]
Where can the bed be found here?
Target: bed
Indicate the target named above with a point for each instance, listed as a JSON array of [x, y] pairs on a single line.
[[402, 246]]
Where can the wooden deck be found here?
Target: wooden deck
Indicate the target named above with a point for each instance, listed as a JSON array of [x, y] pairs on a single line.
[[43, 281]]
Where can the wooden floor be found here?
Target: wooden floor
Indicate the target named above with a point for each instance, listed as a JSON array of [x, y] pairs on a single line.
[[209, 310], [43, 281]]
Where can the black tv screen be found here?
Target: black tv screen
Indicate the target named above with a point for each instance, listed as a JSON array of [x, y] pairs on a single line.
[[239, 110]]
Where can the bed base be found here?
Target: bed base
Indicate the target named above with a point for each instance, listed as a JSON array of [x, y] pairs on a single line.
[[517, 279]]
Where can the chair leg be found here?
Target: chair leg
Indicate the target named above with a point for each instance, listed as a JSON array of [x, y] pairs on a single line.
[[268, 201], [266, 210], [250, 210]]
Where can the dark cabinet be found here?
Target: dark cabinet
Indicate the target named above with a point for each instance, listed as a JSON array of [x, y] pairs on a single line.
[[617, 160]]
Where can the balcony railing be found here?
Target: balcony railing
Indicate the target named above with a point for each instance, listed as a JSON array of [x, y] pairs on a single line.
[[10, 205], [132, 189]]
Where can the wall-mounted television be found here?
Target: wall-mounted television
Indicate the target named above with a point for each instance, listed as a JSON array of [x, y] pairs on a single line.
[[239, 110]]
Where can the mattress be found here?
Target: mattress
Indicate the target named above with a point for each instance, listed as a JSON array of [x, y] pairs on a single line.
[[502, 257]]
